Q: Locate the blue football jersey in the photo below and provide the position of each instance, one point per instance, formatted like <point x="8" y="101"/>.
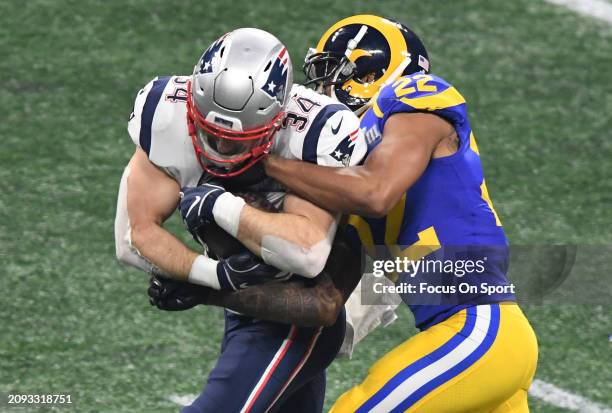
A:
<point x="446" y="215"/>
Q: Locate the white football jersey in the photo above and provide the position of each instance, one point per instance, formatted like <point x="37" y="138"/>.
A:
<point x="317" y="129"/>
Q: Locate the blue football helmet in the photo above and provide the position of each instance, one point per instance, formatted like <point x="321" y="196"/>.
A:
<point x="360" y="54"/>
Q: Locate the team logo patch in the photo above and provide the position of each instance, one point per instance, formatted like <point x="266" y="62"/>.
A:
<point x="372" y="134"/>
<point x="277" y="79"/>
<point x="344" y="150"/>
<point x="211" y="56"/>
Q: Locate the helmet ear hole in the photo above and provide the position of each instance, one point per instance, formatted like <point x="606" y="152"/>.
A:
<point x="265" y="109"/>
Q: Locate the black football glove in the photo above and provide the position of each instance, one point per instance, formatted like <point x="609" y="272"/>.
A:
<point x="171" y="295"/>
<point x="196" y="206"/>
<point x="245" y="269"/>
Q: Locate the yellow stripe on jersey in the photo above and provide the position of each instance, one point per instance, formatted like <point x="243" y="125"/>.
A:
<point x="428" y="242"/>
<point x="485" y="195"/>
<point x="364" y="232"/>
<point x="393" y="225"/>
<point x="445" y="99"/>
<point x="473" y="145"/>
<point x="379" y="114"/>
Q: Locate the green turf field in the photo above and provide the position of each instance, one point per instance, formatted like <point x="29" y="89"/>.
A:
<point x="538" y="81"/>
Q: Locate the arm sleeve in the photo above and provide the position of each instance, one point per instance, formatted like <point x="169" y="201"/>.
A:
<point x="124" y="250"/>
<point x="307" y="262"/>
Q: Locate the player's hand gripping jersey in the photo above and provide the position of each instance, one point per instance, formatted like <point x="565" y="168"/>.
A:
<point x="446" y="215"/>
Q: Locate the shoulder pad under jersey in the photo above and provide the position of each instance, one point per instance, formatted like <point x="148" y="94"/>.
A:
<point x="158" y="125"/>
<point x="319" y="129"/>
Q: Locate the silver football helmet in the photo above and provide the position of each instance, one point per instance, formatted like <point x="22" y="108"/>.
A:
<point x="236" y="100"/>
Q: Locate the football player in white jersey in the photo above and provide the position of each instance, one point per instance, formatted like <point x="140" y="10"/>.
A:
<point x="238" y="105"/>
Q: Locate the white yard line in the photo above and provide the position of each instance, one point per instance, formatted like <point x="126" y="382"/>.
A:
<point x="548" y="393"/>
<point x="598" y="9"/>
<point x="558" y="397"/>
<point x="182" y="400"/>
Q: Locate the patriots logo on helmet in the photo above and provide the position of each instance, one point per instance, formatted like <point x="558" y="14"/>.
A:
<point x="211" y="56"/>
<point x="344" y="150"/>
<point x="277" y="79"/>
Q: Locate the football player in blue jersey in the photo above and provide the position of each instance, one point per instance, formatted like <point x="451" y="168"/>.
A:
<point x="420" y="194"/>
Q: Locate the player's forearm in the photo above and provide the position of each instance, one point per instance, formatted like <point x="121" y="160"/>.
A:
<point x="290" y="302"/>
<point x="164" y="250"/>
<point x="296" y="302"/>
<point x="288" y="241"/>
<point x="348" y="190"/>
<point x="256" y="225"/>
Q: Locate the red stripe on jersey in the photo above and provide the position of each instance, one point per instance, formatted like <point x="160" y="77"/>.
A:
<point x="262" y="383"/>
<point x="297" y="369"/>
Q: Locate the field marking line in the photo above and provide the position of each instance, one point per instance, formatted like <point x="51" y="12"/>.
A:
<point x="546" y="392"/>
<point x="598" y="9"/>
<point x="551" y="394"/>
<point x="182" y="400"/>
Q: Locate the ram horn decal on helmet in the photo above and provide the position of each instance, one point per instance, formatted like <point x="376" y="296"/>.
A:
<point x="358" y="55"/>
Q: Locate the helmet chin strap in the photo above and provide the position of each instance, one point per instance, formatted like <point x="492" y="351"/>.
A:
<point x="398" y="70"/>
